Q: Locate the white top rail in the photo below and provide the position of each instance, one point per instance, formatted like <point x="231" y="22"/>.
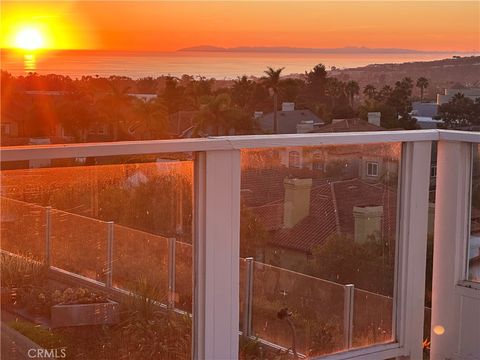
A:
<point x="62" y="151"/>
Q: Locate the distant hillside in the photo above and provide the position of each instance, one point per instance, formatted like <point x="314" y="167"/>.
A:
<point x="286" y="49"/>
<point x="464" y="71"/>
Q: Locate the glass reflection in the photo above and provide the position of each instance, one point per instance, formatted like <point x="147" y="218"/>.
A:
<point x="316" y="219"/>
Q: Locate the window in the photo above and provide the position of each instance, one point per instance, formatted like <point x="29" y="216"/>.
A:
<point x="474" y="241"/>
<point x="372" y="168"/>
<point x="294" y="159"/>
<point x="317" y="163"/>
<point x="433" y="171"/>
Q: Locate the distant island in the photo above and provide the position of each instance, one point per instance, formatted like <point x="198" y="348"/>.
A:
<point x="287" y="49"/>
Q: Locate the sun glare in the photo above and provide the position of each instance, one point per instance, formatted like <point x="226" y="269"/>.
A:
<point x="29" y="39"/>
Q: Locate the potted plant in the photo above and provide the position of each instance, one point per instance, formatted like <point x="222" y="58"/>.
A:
<point x="80" y="306"/>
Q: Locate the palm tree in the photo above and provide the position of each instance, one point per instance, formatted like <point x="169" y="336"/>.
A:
<point x="272" y="81"/>
<point x="212" y="116"/>
<point x="114" y="107"/>
<point x="352" y="88"/>
<point x="335" y="90"/>
<point x="242" y="90"/>
<point x="422" y="83"/>
<point x="151" y="116"/>
<point x="369" y="91"/>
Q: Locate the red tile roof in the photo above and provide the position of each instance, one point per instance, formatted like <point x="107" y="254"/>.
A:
<point x="331" y="210"/>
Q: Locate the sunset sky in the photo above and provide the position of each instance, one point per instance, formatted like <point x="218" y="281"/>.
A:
<point x="170" y="25"/>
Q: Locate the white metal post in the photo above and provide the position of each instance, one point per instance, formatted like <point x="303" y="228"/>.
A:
<point x="216" y="254"/>
<point x="171" y="273"/>
<point x="412" y="247"/>
<point x="348" y="315"/>
<point x="450" y="247"/>
<point x="110" y="235"/>
<point x="248" y="297"/>
<point x="48" y="236"/>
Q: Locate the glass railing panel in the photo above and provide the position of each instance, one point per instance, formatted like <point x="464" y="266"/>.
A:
<point x="474" y="239"/>
<point x="23" y="229"/>
<point x="79" y="244"/>
<point x="317" y="219"/>
<point x="372" y="318"/>
<point x="86" y="248"/>
<point x="133" y="252"/>
<point x="291" y="309"/>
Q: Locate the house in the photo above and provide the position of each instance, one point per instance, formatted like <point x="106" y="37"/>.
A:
<point x="472" y="93"/>
<point x="303" y="213"/>
<point x="429" y="109"/>
<point x="327" y="191"/>
<point x="290" y="121"/>
<point x="347" y="161"/>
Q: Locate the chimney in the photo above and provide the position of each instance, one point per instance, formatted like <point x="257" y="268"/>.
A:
<point x="297" y="201"/>
<point x="368" y="223"/>
<point x="374" y="118"/>
<point x="288" y="106"/>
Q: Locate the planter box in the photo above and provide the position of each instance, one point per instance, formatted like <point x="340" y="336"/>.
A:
<point x="85" y="314"/>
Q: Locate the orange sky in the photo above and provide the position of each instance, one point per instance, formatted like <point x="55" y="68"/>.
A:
<point x="170" y="25"/>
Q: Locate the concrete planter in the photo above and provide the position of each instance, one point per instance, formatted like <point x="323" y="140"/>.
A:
<point x="85" y="314"/>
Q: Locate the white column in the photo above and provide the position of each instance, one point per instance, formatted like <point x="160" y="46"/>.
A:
<point x="217" y="239"/>
<point x="450" y="245"/>
<point x="412" y="247"/>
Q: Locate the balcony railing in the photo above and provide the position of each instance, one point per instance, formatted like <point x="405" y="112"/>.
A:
<point x="234" y="236"/>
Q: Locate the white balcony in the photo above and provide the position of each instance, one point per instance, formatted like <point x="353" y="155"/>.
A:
<point x="282" y="246"/>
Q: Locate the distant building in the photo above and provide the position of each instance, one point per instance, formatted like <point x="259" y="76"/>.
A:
<point x="429" y="109"/>
<point x="425" y="114"/>
<point x="472" y="93"/>
<point x="290" y="121"/>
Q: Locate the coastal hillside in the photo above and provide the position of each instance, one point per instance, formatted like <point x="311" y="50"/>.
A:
<point x="453" y="72"/>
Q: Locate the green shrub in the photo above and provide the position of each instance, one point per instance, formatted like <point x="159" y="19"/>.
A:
<point x="45" y="338"/>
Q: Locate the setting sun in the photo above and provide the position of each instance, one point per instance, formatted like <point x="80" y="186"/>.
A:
<point x="29" y="39"/>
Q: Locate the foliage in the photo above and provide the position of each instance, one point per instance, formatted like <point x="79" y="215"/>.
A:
<point x="253" y="234"/>
<point x="71" y="296"/>
<point x="272" y="81"/>
<point x="460" y="112"/>
<point x="250" y="349"/>
<point x="148" y="331"/>
<point x="394" y="104"/>
<point x="324" y="336"/>
<point x="218" y="117"/>
<point x="91" y="102"/>
<point x="367" y="265"/>
<point x="46" y="338"/>
<point x="21" y="271"/>
<point x="422" y="83"/>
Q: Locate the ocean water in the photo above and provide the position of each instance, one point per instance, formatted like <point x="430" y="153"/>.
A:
<point x="210" y="64"/>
